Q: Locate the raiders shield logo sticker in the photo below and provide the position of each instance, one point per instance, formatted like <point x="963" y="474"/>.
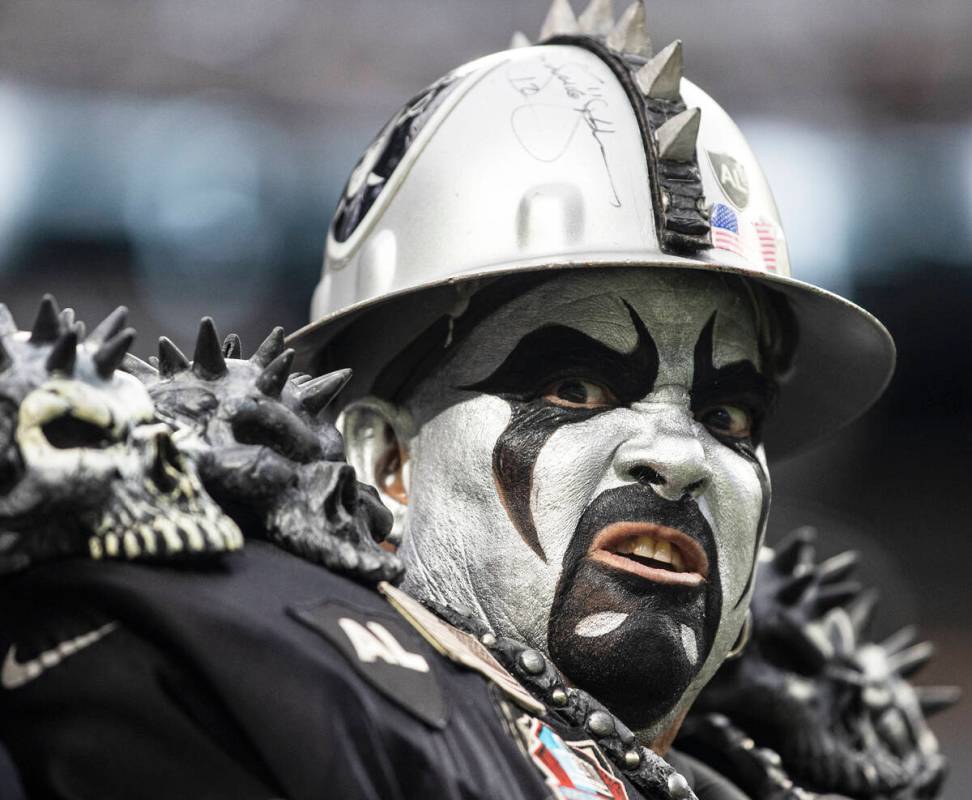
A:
<point x="732" y="178"/>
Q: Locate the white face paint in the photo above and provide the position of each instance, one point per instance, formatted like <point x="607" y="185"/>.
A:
<point x="502" y="475"/>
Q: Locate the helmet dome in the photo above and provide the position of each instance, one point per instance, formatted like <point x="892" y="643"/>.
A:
<point x="586" y="150"/>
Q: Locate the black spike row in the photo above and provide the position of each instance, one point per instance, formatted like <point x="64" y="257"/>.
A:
<point x="273" y="378"/>
<point x="64" y="354"/>
<point x="270" y="348"/>
<point x="207" y="360"/>
<point x="47" y="324"/>
<point x="316" y="395"/>
<point x="171" y="359"/>
<point x="232" y="346"/>
<point x="110" y="355"/>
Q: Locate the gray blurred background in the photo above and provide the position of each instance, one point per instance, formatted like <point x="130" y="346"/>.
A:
<point x="183" y="157"/>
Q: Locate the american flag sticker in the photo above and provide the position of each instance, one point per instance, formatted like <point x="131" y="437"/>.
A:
<point x="766" y="236"/>
<point x="725" y="229"/>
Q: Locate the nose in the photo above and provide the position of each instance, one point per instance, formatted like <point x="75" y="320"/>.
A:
<point x="666" y="455"/>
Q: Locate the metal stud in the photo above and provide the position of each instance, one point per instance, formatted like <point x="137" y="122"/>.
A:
<point x="630" y="35"/>
<point x="560" y="21"/>
<point x="661" y="77"/>
<point x="558" y="698"/>
<point x="678" y="787"/>
<point x="488" y="639"/>
<point x="600" y="723"/>
<point x="632" y="759"/>
<point x="532" y="662"/>
<point x="518" y="40"/>
<point x="598" y="18"/>
<point x="678" y="136"/>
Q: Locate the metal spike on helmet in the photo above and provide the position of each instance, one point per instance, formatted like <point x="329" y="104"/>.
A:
<point x="630" y="34"/>
<point x="8" y="325"/>
<point x="110" y="326"/>
<point x="677" y="137"/>
<point x="598" y="18"/>
<point x="207" y="358"/>
<point x="519" y="39"/>
<point x="47" y="324"/>
<point x="232" y="346"/>
<point x="935" y="699"/>
<point x="317" y="394"/>
<point x="112" y="352"/>
<point x="171" y="359"/>
<point x="64" y="354"/>
<point x="661" y="77"/>
<point x="560" y="21"/>
<point x="270" y="348"/>
<point x="900" y="639"/>
<point x="274" y="376"/>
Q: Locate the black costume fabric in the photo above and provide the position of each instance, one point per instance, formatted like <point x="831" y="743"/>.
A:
<point x="227" y="682"/>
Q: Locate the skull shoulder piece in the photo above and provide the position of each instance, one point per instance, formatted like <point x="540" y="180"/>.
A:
<point x="838" y="710"/>
<point x="265" y="452"/>
<point x="86" y="468"/>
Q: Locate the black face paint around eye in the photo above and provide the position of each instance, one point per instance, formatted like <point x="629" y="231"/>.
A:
<point x="738" y="381"/>
<point x="542" y="356"/>
<point x="650" y="667"/>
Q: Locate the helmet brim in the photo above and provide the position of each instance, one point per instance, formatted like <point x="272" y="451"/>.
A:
<point x="842" y="363"/>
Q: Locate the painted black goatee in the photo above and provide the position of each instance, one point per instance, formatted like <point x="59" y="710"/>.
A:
<point x="548" y="354"/>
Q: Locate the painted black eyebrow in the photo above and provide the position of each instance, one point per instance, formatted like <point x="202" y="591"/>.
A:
<point x="740" y="380"/>
<point x="558" y="351"/>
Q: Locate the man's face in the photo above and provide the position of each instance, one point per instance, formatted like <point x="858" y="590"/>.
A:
<point x="587" y="475"/>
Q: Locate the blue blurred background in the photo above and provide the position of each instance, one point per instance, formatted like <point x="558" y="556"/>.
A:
<point x="183" y="157"/>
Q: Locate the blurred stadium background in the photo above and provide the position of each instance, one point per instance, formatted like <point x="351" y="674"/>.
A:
<point x="183" y="157"/>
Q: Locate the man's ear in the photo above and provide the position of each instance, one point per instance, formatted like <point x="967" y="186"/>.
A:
<point x="376" y="436"/>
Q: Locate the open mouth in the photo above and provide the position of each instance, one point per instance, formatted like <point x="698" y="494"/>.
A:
<point x="654" y="552"/>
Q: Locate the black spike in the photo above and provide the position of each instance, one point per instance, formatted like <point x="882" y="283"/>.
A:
<point x="207" y="360"/>
<point x="317" y="394"/>
<point x="47" y="324"/>
<point x="110" y="326"/>
<point x="934" y="699"/>
<point x="837" y="567"/>
<point x="232" y="346"/>
<point x="8" y="325"/>
<point x="270" y="348"/>
<point x="795" y="549"/>
<point x="861" y="610"/>
<point x="899" y="640"/>
<point x="171" y="358"/>
<point x="837" y="594"/>
<point x="793" y="590"/>
<point x="273" y="378"/>
<point x="64" y="354"/>
<point x="909" y="661"/>
<point x="110" y="355"/>
<point x="133" y="365"/>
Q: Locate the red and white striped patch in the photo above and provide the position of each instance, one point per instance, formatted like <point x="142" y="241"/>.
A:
<point x="766" y="236"/>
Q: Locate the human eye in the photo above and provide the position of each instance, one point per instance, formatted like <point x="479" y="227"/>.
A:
<point x="579" y="393"/>
<point x="727" y="420"/>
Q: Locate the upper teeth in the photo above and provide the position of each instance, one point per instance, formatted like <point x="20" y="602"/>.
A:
<point x="657" y="549"/>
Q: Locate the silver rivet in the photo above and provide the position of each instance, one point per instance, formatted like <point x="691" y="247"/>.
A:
<point x="771" y="757"/>
<point x="558" y="697"/>
<point x="532" y="662"/>
<point x="678" y="787"/>
<point x="747" y="744"/>
<point x="488" y="639"/>
<point x="600" y="723"/>
<point x="632" y="759"/>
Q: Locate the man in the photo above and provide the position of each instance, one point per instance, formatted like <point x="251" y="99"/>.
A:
<point x="561" y="281"/>
<point x="562" y="284"/>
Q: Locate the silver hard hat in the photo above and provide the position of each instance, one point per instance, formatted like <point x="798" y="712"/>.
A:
<point x="584" y="151"/>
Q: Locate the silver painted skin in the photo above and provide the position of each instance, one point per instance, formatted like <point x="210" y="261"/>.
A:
<point x="458" y="542"/>
<point x="508" y="175"/>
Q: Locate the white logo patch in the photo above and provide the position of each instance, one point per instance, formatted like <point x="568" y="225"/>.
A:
<point x="17" y="673"/>
<point x="376" y="642"/>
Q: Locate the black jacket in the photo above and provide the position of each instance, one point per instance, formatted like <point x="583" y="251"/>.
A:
<point x="243" y="680"/>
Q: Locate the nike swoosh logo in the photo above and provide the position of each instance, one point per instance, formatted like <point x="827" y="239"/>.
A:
<point x="17" y="673"/>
